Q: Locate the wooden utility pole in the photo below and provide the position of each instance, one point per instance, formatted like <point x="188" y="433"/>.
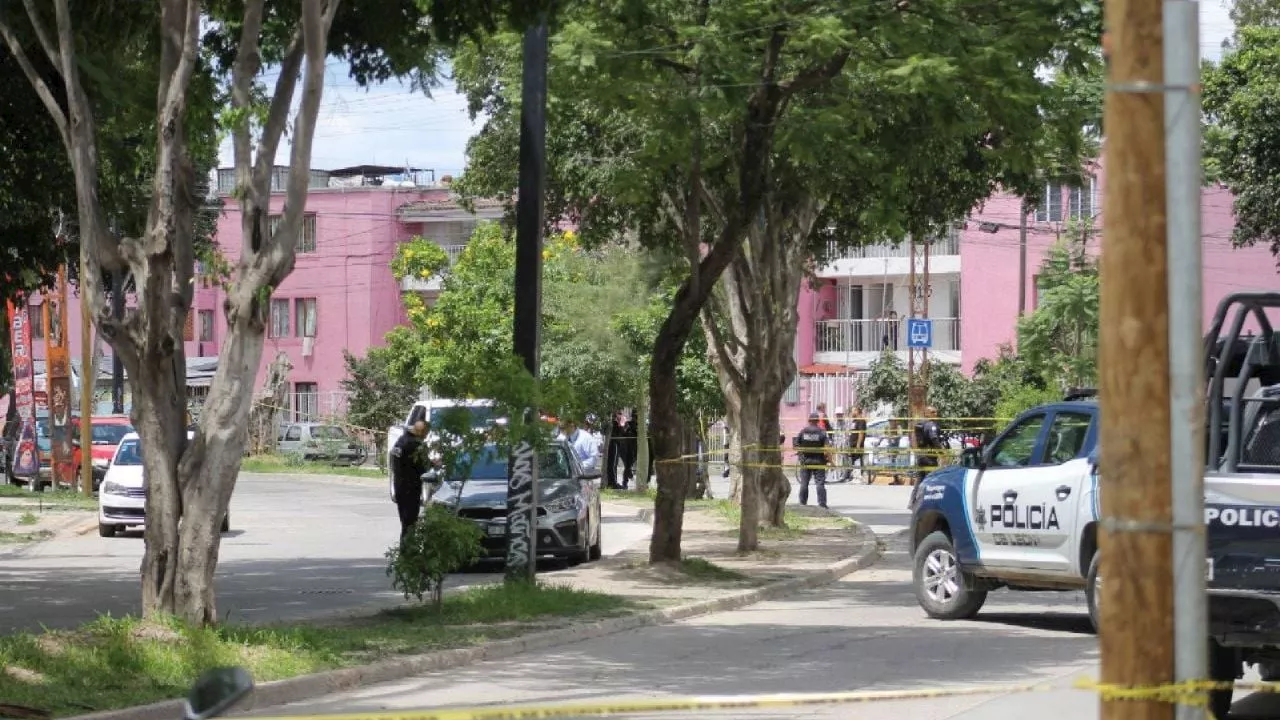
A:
<point x="87" y="381"/>
<point x="1136" y="599"/>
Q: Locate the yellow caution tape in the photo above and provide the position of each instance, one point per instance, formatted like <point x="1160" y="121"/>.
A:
<point x="669" y="705"/>
<point x="1193" y="693"/>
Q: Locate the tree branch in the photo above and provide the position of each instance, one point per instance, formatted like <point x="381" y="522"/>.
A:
<point x="278" y="115"/>
<point x="42" y="33"/>
<point x="37" y="83"/>
<point x="273" y="265"/>
<point x="246" y="66"/>
<point x="815" y="75"/>
<point x="719" y="355"/>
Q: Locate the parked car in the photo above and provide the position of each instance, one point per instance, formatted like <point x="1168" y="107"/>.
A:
<point x="107" y="433"/>
<point x="122" y="500"/>
<point x="319" y="441"/>
<point x="569" y="524"/>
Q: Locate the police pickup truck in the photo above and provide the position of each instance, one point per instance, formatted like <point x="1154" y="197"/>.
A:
<point x="1020" y="513"/>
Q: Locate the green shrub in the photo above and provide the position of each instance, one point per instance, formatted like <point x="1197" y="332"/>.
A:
<point x="440" y="543"/>
<point x="294" y="459"/>
<point x="1017" y="399"/>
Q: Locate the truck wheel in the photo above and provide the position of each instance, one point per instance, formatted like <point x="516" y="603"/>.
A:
<point x="1225" y="665"/>
<point x="939" y="581"/>
<point x="1091" y="592"/>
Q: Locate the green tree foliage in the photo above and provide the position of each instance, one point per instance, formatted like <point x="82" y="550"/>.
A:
<point x="439" y="544"/>
<point x="1059" y="339"/>
<point x="591" y="297"/>
<point x="1254" y="13"/>
<point x="377" y="396"/>
<point x="697" y="125"/>
<point x="1241" y="97"/>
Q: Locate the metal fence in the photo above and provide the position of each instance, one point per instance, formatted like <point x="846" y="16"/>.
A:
<point x="946" y="245"/>
<point x="875" y="335"/>
<point x="317" y="406"/>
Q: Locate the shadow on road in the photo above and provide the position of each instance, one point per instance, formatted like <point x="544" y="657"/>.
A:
<point x="63" y="593"/>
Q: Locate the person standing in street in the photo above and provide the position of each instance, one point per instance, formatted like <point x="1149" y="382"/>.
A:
<point x="584" y="444"/>
<point x="813" y="445"/>
<point x="840" y="442"/>
<point x="629" y="447"/>
<point x="407" y="467"/>
<point x="858" y="442"/>
<point x="823" y="422"/>
<point x="929" y="443"/>
<point x="613" y="456"/>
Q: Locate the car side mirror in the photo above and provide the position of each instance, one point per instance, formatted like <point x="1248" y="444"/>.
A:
<point x="591" y="475"/>
<point x="973" y="458"/>
<point x="216" y="692"/>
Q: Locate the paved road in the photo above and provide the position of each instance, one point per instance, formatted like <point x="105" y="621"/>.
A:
<point x="862" y="633"/>
<point x="300" y="546"/>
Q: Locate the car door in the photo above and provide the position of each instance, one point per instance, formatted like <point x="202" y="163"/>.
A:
<point x="1009" y="471"/>
<point x="292" y="442"/>
<point x="1058" y="484"/>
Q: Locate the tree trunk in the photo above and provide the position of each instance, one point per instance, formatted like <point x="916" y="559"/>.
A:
<point x="774" y="486"/>
<point x="264" y="417"/>
<point x="641" y="468"/>
<point x="751" y="442"/>
<point x="212" y="464"/>
<point x="159" y="410"/>
<point x="695" y="479"/>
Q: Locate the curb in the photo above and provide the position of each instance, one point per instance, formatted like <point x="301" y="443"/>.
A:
<point x="281" y="692"/>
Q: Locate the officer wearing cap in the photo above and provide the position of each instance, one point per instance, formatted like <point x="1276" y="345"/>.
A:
<point x="813" y="444"/>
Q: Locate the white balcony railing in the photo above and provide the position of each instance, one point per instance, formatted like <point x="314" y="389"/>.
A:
<point x="413" y="284"/>
<point x="848" y="336"/>
<point x="948" y="245"/>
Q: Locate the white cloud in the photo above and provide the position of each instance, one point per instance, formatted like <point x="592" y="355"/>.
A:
<point x="389" y="125"/>
<point x="386" y="125"/>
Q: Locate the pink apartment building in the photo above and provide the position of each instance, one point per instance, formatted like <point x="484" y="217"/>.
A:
<point x="862" y="299"/>
<point x="341" y="294"/>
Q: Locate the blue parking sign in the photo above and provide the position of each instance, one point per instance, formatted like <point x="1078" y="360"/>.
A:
<point x="919" y="333"/>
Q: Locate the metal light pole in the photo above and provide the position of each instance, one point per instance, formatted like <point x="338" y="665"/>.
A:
<point x="1186" y="363"/>
<point x="522" y="489"/>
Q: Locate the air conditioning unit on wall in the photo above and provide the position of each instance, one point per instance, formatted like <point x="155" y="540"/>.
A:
<point x="308" y="346"/>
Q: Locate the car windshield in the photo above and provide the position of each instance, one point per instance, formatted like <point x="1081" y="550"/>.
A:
<point x="328" y="432"/>
<point x="109" y="434"/>
<point x="553" y="463"/>
<point x="128" y="454"/>
<point x="479" y="416"/>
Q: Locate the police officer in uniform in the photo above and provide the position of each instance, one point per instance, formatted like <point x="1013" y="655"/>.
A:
<point x="407" y="467"/>
<point x="813" y="445"/>
<point x="929" y="443"/>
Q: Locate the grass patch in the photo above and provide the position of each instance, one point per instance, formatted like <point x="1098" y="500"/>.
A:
<point x="8" y="538"/>
<point x="287" y="465"/>
<point x="704" y="570"/>
<point x="116" y="663"/>
<point x="28" y="519"/>
<point x="49" y="498"/>
<point x="646" y="498"/>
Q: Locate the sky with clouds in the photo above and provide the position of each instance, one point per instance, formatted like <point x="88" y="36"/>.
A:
<point x="390" y="125"/>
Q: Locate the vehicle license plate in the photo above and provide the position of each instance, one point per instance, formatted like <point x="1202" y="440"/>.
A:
<point x="497" y="529"/>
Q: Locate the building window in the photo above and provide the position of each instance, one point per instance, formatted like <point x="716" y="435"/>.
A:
<point x="306" y="402"/>
<point x="1082" y="202"/>
<point x="1050" y="206"/>
<point x="37" y="321"/>
<point x="279" y="319"/>
<point x="306" y="236"/>
<point x="305" y="322"/>
<point x="206" y="325"/>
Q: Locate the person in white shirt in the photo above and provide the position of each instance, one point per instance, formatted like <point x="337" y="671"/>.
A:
<point x="584" y="444"/>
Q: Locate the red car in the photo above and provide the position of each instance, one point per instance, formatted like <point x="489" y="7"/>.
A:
<point x="107" y="431"/>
